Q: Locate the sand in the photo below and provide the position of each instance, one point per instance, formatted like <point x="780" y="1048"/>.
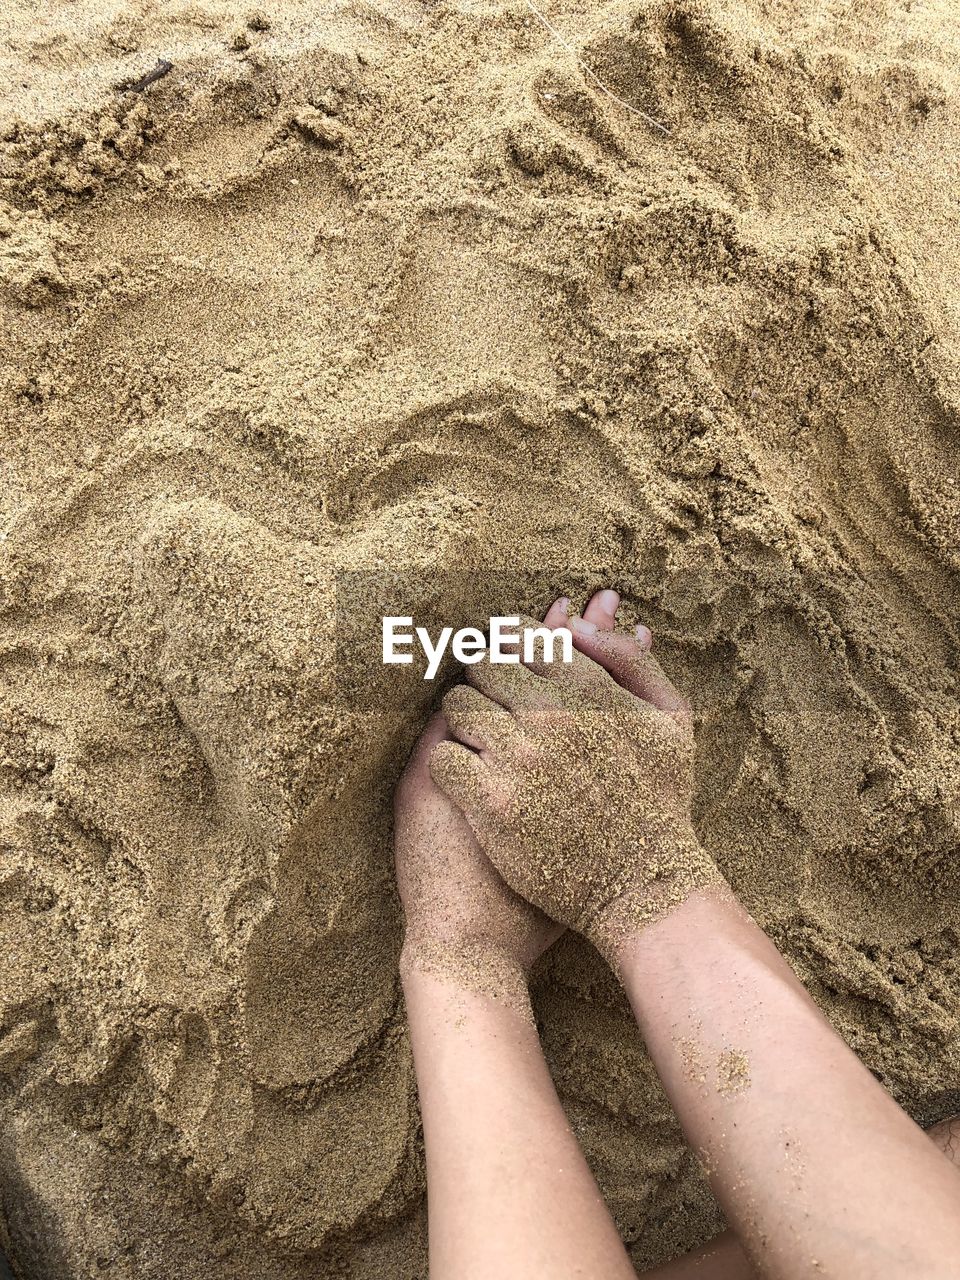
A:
<point x="361" y="303"/>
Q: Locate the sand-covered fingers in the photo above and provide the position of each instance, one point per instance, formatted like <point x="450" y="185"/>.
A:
<point x="511" y="685"/>
<point x="576" y="778"/>
<point x="462" y="920"/>
<point x="588" y="656"/>
<point x="635" y="669"/>
<point x="627" y="658"/>
<point x="478" y="721"/>
<point x="552" y="670"/>
<point x="481" y="792"/>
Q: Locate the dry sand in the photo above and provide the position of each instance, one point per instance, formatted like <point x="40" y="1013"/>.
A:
<point x="397" y="286"/>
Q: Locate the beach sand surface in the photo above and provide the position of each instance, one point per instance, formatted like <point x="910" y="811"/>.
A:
<point x="446" y="309"/>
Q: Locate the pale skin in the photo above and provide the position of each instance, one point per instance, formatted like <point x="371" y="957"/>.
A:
<point x="818" y="1170"/>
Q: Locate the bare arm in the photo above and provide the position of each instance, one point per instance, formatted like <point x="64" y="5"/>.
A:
<point x="723" y="1258"/>
<point x="577" y="781"/>
<point x="510" y="1194"/>
<point x="817" y="1168"/>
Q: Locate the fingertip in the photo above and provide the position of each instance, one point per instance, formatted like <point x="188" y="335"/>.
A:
<point x="449" y="763"/>
<point x="602" y="609"/>
<point x="452" y="700"/>
<point x="644" y="637"/>
<point x="558" y="614"/>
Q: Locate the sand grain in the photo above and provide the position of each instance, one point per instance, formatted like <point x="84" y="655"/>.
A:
<point x="394" y="287"/>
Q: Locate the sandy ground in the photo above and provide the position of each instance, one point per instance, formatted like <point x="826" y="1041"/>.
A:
<point x="358" y="304"/>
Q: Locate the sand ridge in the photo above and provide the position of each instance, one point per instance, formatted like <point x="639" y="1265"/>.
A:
<point x="394" y="288"/>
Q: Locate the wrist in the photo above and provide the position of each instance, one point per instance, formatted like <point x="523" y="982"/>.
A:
<point x="468" y="965"/>
<point x="675" y="878"/>
<point x="642" y="930"/>
<point x="707" y="924"/>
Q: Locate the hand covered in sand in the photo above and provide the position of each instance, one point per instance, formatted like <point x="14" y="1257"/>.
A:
<point x="461" y="918"/>
<point x="576" y="778"/>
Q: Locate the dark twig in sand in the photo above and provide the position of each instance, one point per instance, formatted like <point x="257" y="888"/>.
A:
<point x="162" y="68"/>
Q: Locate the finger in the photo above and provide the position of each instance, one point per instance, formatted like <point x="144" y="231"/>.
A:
<point x="543" y="650"/>
<point x="511" y="685"/>
<point x="415" y="781"/>
<point x="434" y="731"/>
<point x="601" y="615"/>
<point x="602" y="610"/>
<point x="558" y="614"/>
<point x="633" y="667"/>
<point x="551" y="671"/>
<point x="476" y="720"/>
<point x="467" y="780"/>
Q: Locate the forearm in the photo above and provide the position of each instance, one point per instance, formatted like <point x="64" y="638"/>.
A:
<point x="817" y="1168"/>
<point x="723" y="1257"/>
<point x="509" y="1193"/>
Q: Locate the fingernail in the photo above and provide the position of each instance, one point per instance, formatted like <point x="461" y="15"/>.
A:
<point x="583" y="628"/>
<point x="644" y="636"/>
<point x="609" y="601"/>
<point x="564" y="604"/>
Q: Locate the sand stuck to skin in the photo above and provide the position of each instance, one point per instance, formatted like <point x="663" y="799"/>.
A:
<point x="371" y="298"/>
